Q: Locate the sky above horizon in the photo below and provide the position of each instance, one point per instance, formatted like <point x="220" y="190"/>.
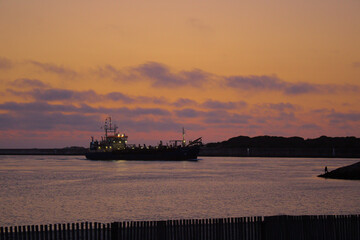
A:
<point x="218" y="68"/>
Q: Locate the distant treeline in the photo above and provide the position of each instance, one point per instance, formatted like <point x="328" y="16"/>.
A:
<point x="271" y="141"/>
<point x="271" y="146"/>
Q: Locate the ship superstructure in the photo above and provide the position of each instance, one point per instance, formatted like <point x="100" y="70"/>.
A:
<point x="113" y="140"/>
<point x="113" y="146"/>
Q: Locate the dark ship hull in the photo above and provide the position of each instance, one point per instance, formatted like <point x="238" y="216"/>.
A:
<point x="188" y="153"/>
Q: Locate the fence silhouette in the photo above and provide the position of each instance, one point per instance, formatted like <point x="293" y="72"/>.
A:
<point x="327" y="227"/>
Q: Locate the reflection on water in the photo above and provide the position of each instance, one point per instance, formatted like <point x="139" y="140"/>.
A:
<point x="58" y="189"/>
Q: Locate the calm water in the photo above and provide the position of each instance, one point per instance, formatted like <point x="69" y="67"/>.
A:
<point x="58" y="189"/>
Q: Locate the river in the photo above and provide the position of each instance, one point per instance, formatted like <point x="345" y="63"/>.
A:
<point x="61" y="189"/>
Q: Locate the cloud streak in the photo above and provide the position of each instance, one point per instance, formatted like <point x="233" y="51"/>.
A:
<point x="56" y="94"/>
<point x="28" y="83"/>
<point x="214" y="116"/>
<point x="5" y="63"/>
<point x="109" y="71"/>
<point x="273" y="83"/>
<point x="39" y="107"/>
<point x="224" y="117"/>
<point x="182" y="102"/>
<point x="47" y="121"/>
<point x="356" y="64"/>
<point x="278" y="106"/>
<point x="40" y="92"/>
<point x="338" y="117"/>
<point x="213" y="104"/>
<point x="43" y="116"/>
<point x="161" y="76"/>
<point x="55" y="69"/>
<point x="189" y="113"/>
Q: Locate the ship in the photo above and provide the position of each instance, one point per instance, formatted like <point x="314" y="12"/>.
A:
<point x="114" y="146"/>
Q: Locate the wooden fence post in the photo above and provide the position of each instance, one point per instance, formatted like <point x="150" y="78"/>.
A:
<point x="141" y="232"/>
<point x="41" y="232"/>
<point x="73" y="231"/>
<point x="15" y="235"/>
<point x="37" y="235"/>
<point x="18" y="233"/>
<point x="103" y="231"/>
<point x="46" y="232"/>
<point x="161" y="230"/>
<point x="86" y="232"/>
<point x="95" y="230"/>
<point x="28" y="232"/>
<point x="6" y="233"/>
<point x="23" y="233"/>
<point x="51" y="232"/>
<point x="90" y="231"/>
<point x="108" y="234"/>
<point x="55" y="231"/>
<point x="2" y="233"/>
<point x="114" y="231"/>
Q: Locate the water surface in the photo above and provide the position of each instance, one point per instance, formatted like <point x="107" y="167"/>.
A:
<point x="60" y="189"/>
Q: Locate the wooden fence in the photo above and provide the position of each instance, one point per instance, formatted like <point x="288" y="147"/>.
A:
<point x="248" y="228"/>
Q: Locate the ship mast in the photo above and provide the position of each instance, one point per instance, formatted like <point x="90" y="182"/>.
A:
<point x="106" y="125"/>
<point x="183" y="137"/>
<point x="109" y="127"/>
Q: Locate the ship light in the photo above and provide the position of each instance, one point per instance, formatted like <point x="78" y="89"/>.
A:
<point x="122" y="135"/>
<point x="119" y="135"/>
<point x="125" y="141"/>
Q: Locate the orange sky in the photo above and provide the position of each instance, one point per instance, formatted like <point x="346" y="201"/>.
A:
<point x="218" y="68"/>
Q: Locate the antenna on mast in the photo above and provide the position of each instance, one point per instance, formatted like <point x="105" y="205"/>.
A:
<point x="107" y="125"/>
<point x="110" y="123"/>
<point x="183" y="137"/>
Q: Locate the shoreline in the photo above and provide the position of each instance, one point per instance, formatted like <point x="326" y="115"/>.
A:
<point x="243" y="146"/>
<point x="212" y="152"/>
<point x="44" y="151"/>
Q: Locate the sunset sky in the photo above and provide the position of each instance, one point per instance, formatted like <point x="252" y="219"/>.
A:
<point x="218" y="68"/>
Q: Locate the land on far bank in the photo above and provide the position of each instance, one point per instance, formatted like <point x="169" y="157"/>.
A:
<point x="351" y="172"/>
<point x="271" y="146"/>
<point x="243" y="146"/>
<point x="44" y="151"/>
